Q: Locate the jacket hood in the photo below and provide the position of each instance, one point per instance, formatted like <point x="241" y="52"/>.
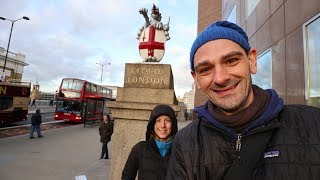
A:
<point x="158" y="111"/>
<point x="274" y="108"/>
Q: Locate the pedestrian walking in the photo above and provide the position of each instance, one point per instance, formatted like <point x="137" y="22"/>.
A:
<point x="242" y="132"/>
<point x="150" y="158"/>
<point x="35" y="124"/>
<point x="33" y="103"/>
<point x="51" y="102"/>
<point x="105" y="131"/>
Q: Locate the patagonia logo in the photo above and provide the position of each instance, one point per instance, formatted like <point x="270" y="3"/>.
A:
<point x="271" y="154"/>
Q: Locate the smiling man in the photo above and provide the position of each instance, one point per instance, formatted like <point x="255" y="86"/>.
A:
<point x="242" y="131"/>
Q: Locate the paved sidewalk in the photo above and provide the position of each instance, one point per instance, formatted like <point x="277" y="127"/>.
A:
<point x="62" y="154"/>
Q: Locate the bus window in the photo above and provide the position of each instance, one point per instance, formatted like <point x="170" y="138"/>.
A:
<point x="77" y="85"/>
<point x="88" y="87"/>
<point x="93" y="88"/>
<point x="6" y="102"/>
<point x="73" y="106"/>
<point x="67" y="106"/>
<point x="99" y="89"/>
<point x="65" y="84"/>
<point x="59" y="106"/>
<point x="72" y="84"/>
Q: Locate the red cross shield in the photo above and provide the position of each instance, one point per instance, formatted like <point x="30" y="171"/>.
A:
<point x="151" y="46"/>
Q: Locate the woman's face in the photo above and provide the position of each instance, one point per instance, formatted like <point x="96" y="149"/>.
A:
<point x="163" y="127"/>
<point x="105" y="118"/>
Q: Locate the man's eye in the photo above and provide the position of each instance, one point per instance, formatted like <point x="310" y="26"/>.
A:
<point x="203" y="70"/>
<point x="229" y="61"/>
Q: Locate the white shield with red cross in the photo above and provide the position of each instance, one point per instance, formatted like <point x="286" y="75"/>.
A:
<point x="151" y="46"/>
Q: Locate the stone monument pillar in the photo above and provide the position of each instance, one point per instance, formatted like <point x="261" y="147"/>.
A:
<point x="35" y="94"/>
<point x="145" y="86"/>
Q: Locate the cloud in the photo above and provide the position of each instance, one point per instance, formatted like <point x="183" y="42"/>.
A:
<point x="67" y="38"/>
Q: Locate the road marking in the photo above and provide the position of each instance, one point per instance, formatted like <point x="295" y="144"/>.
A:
<point x="51" y="122"/>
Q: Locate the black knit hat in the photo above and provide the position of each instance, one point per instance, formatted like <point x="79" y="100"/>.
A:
<point x="159" y="111"/>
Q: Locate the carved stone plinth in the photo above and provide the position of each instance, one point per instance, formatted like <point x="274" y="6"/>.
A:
<point x="145" y="86"/>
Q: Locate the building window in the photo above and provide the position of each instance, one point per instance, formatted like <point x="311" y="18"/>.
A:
<point x="251" y="4"/>
<point x="311" y="31"/>
<point x="263" y="77"/>
<point x="233" y="15"/>
<point x="224" y="4"/>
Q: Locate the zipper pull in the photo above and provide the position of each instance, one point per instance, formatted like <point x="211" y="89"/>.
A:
<point x="238" y="148"/>
<point x="238" y="143"/>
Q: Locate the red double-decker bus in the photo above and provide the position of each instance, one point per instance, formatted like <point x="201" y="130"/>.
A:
<point x="81" y="101"/>
<point x="14" y="101"/>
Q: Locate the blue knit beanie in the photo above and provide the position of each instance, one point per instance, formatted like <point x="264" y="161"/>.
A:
<point x="220" y="30"/>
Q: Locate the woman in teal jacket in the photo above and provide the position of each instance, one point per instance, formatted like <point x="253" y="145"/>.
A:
<point x="150" y="158"/>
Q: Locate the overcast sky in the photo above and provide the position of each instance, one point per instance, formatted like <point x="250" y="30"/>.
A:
<point x="65" y="38"/>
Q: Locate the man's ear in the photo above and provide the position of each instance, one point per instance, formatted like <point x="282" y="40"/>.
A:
<point x="252" y="56"/>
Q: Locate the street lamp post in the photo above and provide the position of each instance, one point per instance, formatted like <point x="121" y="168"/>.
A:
<point x="12" y="22"/>
<point x="102" y="70"/>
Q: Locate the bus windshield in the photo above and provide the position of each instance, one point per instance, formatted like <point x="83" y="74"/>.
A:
<point x="72" y="84"/>
<point x="68" y="106"/>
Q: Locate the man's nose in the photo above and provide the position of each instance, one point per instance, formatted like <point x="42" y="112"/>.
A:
<point x="221" y="74"/>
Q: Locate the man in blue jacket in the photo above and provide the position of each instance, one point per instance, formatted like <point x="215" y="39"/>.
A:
<point x="35" y="124"/>
<point x="243" y="131"/>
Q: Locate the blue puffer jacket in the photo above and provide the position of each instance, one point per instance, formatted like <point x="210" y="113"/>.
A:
<point x="282" y="143"/>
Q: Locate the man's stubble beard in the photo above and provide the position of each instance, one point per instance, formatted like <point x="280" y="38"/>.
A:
<point x="239" y="102"/>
